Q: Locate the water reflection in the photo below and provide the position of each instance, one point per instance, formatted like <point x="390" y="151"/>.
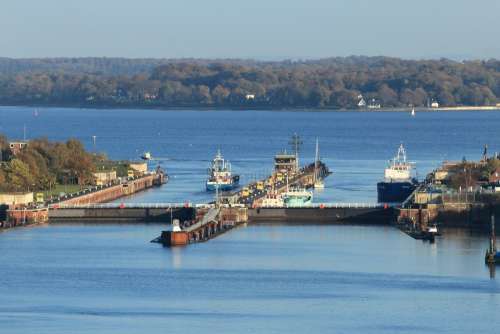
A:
<point x="176" y="257"/>
<point x="492" y="267"/>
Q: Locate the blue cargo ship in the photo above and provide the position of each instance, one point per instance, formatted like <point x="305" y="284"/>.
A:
<point x="220" y="176"/>
<point x="398" y="183"/>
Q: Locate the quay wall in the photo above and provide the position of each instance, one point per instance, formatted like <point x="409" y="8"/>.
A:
<point x="462" y="215"/>
<point x="24" y="217"/>
<point x="114" y="192"/>
<point x="120" y="214"/>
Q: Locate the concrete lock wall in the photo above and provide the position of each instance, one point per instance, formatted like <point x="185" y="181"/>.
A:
<point x="326" y="215"/>
<point x="162" y="215"/>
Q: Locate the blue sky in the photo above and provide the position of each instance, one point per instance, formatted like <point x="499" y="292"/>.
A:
<point x="262" y="29"/>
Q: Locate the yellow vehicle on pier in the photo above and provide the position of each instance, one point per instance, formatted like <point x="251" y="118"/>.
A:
<point x="245" y="192"/>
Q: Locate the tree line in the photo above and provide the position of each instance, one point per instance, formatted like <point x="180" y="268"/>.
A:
<point x="335" y="83"/>
<point x="43" y="164"/>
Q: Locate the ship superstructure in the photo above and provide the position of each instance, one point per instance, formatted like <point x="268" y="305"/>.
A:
<point x="220" y="176"/>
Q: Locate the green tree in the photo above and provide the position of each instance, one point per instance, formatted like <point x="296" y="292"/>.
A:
<point x="18" y="176"/>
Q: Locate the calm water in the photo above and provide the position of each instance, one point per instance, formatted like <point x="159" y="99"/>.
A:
<point x="356" y="146"/>
<point x="263" y="278"/>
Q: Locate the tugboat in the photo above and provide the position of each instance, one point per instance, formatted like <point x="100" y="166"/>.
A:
<point x="398" y="181"/>
<point x="219" y="175"/>
<point x="297" y="197"/>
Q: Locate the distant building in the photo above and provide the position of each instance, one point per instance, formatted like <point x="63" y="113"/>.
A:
<point x="101" y="178"/>
<point x="494" y="177"/>
<point x="140" y="167"/>
<point x="17" y="146"/>
<point x="15" y="199"/>
<point x="148" y="96"/>
<point x="441" y="175"/>
<point x="374" y="104"/>
<point x="362" y="102"/>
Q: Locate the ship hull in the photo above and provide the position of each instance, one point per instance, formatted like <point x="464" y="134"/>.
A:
<point x="394" y="192"/>
<point x="212" y="186"/>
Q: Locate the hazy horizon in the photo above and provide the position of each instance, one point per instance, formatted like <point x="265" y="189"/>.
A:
<point x="260" y="30"/>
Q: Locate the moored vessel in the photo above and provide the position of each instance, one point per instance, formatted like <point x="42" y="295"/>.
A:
<point x="220" y="177"/>
<point x="399" y="182"/>
<point x="297" y="197"/>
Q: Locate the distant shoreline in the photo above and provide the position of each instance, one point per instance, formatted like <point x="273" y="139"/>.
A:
<point x="249" y="108"/>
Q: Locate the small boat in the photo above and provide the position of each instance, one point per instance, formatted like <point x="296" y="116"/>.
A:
<point x="413" y="111"/>
<point x="433" y="229"/>
<point x="146" y="156"/>
<point x="421" y="235"/>
<point x="297" y="197"/>
<point x="220" y="177"/>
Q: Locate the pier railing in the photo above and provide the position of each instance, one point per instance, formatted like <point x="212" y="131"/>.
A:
<point x="208" y="206"/>
<point x="129" y="206"/>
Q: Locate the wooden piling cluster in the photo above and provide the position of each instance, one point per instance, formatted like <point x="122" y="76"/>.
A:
<point x="208" y="224"/>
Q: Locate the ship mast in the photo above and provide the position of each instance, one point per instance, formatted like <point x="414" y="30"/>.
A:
<point x="316" y="161"/>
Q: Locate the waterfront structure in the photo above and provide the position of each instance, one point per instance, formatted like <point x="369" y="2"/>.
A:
<point x="15" y="199"/>
<point x="17" y="146"/>
<point x="105" y="177"/>
<point x="285" y="163"/>
<point x="140" y="167"/>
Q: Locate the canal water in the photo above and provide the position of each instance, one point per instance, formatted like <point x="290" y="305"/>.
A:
<point x="255" y="279"/>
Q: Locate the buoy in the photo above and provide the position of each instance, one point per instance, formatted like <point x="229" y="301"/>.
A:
<point x="321" y="206"/>
<point x="386" y="206"/>
<point x="122" y="206"/>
